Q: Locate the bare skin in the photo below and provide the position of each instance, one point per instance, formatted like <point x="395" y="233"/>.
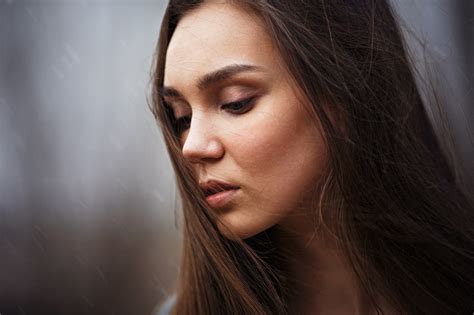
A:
<point x="272" y="151"/>
<point x="322" y="280"/>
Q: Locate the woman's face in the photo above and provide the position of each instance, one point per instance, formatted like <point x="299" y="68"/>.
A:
<point x="248" y="124"/>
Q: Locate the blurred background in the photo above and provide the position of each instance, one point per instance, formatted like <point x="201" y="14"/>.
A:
<point x="87" y="195"/>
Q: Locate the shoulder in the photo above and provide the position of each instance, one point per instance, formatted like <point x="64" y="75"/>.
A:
<point x="167" y="306"/>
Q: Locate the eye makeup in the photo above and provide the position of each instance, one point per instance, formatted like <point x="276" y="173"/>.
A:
<point x="235" y="93"/>
<point x="231" y="99"/>
<point x="181" y="124"/>
<point x="239" y="107"/>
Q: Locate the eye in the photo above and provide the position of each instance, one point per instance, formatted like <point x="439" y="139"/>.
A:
<point x="181" y="124"/>
<point x="239" y="107"/>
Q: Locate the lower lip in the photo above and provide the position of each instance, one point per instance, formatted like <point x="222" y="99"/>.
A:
<point x="221" y="198"/>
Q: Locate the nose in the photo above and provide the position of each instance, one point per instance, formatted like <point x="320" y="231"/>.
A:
<point x="202" y="142"/>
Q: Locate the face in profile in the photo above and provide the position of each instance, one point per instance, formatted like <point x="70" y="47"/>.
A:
<point x="241" y="121"/>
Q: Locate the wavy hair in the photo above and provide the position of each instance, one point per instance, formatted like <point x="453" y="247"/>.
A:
<point x="405" y="223"/>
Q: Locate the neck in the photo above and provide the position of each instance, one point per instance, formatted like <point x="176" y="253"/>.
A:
<point x="320" y="280"/>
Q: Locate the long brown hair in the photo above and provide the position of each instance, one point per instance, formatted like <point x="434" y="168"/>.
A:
<point x="405" y="224"/>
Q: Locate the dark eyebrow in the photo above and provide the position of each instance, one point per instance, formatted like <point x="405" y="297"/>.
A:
<point x="169" y="91"/>
<point x="214" y="77"/>
<point x="225" y="73"/>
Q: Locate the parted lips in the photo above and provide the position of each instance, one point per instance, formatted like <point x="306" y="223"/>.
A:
<point x="212" y="187"/>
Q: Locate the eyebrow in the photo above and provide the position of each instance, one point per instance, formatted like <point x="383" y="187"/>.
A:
<point x="214" y="77"/>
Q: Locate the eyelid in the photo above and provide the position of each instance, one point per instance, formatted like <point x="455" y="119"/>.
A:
<point x="177" y="106"/>
<point x="178" y="124"/>
<point x="247" y="104"/>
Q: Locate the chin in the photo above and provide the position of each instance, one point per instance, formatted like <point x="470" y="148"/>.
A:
<point x="235" y="233"/>
<point x="239" y="228"/>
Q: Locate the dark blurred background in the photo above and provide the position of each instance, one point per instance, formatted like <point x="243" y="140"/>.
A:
<point x="87" y="197"/>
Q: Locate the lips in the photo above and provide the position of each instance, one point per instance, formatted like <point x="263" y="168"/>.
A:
<point x="219" y="194"/>
<point x="212" y="187"/>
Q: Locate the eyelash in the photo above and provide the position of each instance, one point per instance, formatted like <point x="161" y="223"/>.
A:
<point x="245" y="105"/>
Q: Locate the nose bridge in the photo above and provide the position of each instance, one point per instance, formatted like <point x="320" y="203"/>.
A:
<point x="202" y="139"/>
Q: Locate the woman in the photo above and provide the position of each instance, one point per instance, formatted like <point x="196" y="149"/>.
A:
<point x="311" y="179"/>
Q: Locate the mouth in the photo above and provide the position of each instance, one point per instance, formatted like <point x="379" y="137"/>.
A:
<point x="218" y="193"/>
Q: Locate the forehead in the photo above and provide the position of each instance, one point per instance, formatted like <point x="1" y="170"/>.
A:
<point x="212" y="36"/>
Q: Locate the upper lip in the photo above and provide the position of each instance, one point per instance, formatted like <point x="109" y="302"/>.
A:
<point x="214" y="186"/>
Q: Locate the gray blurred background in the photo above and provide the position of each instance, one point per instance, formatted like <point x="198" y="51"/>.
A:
<point x="87" y="222"/>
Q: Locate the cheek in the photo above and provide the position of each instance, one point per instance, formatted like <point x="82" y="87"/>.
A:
<point x="280" y="157"/>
